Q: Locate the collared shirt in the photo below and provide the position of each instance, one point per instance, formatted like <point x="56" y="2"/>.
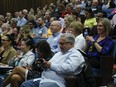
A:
<point x="27" y="59"/>
<point x="21" y="22"/>
<point x="54" y="42"/>
<point x="63" y="65"/>
<point x="39" y="31"/>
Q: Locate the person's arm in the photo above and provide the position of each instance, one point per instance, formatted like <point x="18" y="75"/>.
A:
<point x="98" y="47"/>
<point x="69" y="66"/>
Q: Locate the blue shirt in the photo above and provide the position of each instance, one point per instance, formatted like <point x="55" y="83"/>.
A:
<point x="106" y="45"/>
<point x="40" y="30"/>
<point x="54" y="42"/>
<point x="21" y="22"/>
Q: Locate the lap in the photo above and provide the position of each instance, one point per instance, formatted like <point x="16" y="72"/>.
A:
<point x="30" y="83"/>
<point x="48" y="84"/>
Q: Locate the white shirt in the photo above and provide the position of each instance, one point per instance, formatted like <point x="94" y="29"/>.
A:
<point x="80" y="42"/>
<point x="63" y="65"/>
<point x="27" y="59"/>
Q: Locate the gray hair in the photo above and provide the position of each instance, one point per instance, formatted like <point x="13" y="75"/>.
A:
<point x="68" y="37"/>
<point x="6" y="25"/>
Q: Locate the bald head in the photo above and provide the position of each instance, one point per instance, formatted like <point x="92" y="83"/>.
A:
<point x="55" y="26"/>
<point x="79" y="8"/>
<point x="95" y="2"/>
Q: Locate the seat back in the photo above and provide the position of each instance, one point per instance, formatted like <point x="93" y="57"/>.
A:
<point x="106" y="69"/>
<point x="114" y="50"/>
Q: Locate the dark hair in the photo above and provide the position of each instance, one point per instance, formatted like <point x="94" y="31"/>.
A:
<point x="90" y="11"/>
<point x="29" y="42"/>
<point x="10" y="38"/>
<point x="33" y="22"/>
<point x="44" y="47"/>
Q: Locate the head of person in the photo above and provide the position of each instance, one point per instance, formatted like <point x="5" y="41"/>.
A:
<point x="21" y="15"/>
<point x="8" y="15"/>
<point x="47" y="15"/>
<point x="76" y="28"/>
<point x="27" y="44"/>
<point x="79" y="8"/>
<point x="13" y="22"/>
<point x="30" y="17"/>
<point x="24" y="30"/>
<point x="16" y="14"/>
<point x="1" y="20"/>
<point x="95" y="3"/>
<point x="25" y="11"/>
<point x="89" y="13"/>
<point x="43" y="49"/>
<point x="66" y="42"/>
<point x="68" y="19"/>
<point x="101" y="15"/>
<point x="7" y="40"/>
<point x="32" y="24"/>
<point x="55" y="26"/>
<point x="104" y="26"/>
<point x="40" y="21"/>
<point x="52" y="19"/>
<point x="5" y="27"/>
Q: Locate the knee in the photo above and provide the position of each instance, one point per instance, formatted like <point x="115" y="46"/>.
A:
<point x="15" y="77"/>
<point x="18" y="68"/>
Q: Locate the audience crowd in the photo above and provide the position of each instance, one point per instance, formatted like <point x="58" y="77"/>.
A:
<point x="49" y="37"/>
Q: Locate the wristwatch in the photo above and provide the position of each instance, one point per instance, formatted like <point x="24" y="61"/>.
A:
<point x="94" y="42"/>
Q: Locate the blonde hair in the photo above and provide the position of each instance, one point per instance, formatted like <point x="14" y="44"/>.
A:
<point x="77" y="26"/>
<point x="107" y="24"/>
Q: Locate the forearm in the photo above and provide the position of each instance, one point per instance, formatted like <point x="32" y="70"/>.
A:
<point x="97" y="46"/>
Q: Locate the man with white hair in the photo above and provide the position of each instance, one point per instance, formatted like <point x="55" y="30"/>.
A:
<point x="53" y="40"/>
<point x="68" y="61"/>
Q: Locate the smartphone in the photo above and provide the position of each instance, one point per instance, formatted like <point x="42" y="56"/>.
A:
<point x="86" y="32"/>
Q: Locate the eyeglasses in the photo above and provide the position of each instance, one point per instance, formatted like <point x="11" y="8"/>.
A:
<point x="61" y="43"/>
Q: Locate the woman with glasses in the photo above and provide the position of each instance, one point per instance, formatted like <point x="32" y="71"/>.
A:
<point x="20" y="74"/>
<point x="7" y="52"/>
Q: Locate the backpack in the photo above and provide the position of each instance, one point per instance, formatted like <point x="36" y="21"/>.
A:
<point x="85" y="78"/>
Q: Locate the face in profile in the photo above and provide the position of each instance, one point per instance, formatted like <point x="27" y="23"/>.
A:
<point x="64" y="45"/>
<point x="24" y="47"/>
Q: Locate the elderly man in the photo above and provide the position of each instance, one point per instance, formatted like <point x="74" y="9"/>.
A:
<point x="53" y="40"/>
<point x="64" y="63"/>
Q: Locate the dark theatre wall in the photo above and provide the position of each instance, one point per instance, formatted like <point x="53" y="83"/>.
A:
<point x="16" y="5"/>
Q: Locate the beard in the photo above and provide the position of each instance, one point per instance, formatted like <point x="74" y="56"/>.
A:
<point x="63" y="50"/>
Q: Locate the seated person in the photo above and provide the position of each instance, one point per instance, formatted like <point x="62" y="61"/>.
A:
<point x="26" y="56"/>
<point x="68" y="61"/>
<point x="19" y="73"/>
<point x="76" y="29"/>
<point x="53" y="40"/>
<point x="99" y="45"/>
<point x="7" y="52"/>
